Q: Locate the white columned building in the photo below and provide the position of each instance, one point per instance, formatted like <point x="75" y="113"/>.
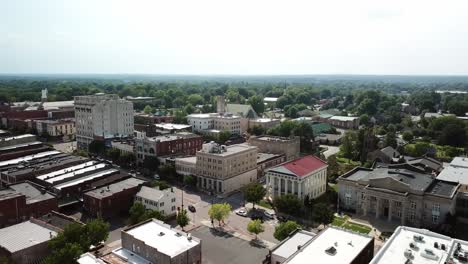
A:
<point x="306" y="176"/>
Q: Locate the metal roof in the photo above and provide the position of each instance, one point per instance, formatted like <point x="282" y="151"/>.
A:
<point x="24" y="235"/>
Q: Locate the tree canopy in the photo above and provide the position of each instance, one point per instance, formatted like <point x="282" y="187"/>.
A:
<point x="283" y="230"/>
<point x="255" y="227"/>
<point x="254" y="192"/>
<point x="219" y="212"/>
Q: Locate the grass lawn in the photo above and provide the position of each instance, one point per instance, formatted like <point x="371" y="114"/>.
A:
<point x="265" y="204"/>
<point x="357" y="228"/>
<point x="347" y="161"/>
<point x="338" y="221"/>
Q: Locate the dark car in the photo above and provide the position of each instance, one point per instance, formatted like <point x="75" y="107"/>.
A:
<point x="192" y="208"/>
<point x="257" y="216"/>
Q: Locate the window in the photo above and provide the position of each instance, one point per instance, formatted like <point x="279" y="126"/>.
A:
<point x="436" y="207"/>
<point x="435" y="219"/>
<point x="413" y="205"/>
<point x="161" y="204"/>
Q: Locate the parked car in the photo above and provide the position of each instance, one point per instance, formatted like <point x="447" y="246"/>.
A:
<point x="156" y="177"/>
<point x="192" y="208"/>
<point x="270" y="215"/>
<point x="257" y="217"/>
<point x="241" y="212"/>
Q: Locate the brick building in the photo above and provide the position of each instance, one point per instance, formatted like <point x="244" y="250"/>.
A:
<point x="277" y="145"/>
<point x="23" y="200"/>
<point x="148" y="119"/>
<point x="112" y="199"/>
<point x="183" y="143"/>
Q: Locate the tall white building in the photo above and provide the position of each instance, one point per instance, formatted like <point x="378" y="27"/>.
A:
<point x="213" y="121"/>
<point x="102" y="116"/>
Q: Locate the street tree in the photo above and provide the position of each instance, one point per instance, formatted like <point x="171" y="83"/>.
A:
<point x="256" y="227"/>
<point x="288" y="204"/>
<point x="390" y="139"/>
<point x="182" y="218"/>
<point x="283" y="230"/>
<point x="254" y="192"/>
<point x="219" y="212"/>
<point x="148" y="109"/>
<point x="257" y="103"/>
<point x="323" y="214"/>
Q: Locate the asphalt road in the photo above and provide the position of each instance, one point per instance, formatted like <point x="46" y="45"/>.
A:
<point x="202" y="203"/>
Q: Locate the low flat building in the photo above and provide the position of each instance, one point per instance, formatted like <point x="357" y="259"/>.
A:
<point x="265" y="123"/>
<point x="290" y="147"/>
<point x="337" y="246"/>
<point x="329" y="139"/>
<point x="26" y="243"/>
<point x="288" y="247"/>
<point x="183" y="143"/>
<point x="457" y="172"/>
<point x="225" y="169"/>
<point x="421" y="246"/>
<point x="163" y="201"/>
<point x="268" y="160"/>
<point x="20" y="201"/>
<point x="112" y="199"/>
<point x="186" y="165"/>
<point x="56" y="128"/>
<point x="126" y="147"/>
<point x="21" y="139"/>
<point x="20" y="150"/>
<point x="400" y="193"/>
<point x="305" y="176"/>
<point x="154" y="242"/>
<point x="347" y="122"/>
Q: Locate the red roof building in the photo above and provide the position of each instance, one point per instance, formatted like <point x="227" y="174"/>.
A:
<point x="305" y="176"/>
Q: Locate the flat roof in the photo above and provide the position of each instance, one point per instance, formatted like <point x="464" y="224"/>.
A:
<point x="261" y="157"/>
<point x="125" y="256"/>
<point x="272" y="138"/>
<point x="191" y="159"/>
<point x="393" y="251"/>
<point x="454" y="174"/>
<point x="88" y="258"/>
<point x="459" y="162"/>
<point x="85" y="178"/>
<point x="115" y="187"/>
<point x="166" y="240"/>
<point x="344" y="118"/>
<point x="290" y="246"/>
<point x="348" y="246"/>
<point x="62" y="171"/>
<point x="24" y="235"/>
<point x="73" y="173"/>
<point x="265" y="120"/>
<point x="270" y="99"/>
<point x="170" y="126"/>
<point x="17" y="137"/>
<point x="32" y="192"/>
<point x="12" y="147"/>
<point x="229" y="150"/>
<point x="29" y="157"/>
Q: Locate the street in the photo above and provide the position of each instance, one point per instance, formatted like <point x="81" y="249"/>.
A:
<point x="331" y="150"/>
<point x="202" y="203"/>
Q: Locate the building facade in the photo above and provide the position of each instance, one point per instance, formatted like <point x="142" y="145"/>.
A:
<point x="213" y="121"/>
<point x="163" y="201"/>
<point x="306" y="176"/>
<point x="183" y="143"/>
<point x="55" y="128"/>
<point x="277" y="145"/>
<point x="112" y="199"/>
<point x="401" y="193"/>
<point x="224" y="169"/>
<point x="186" y="165"/>
<point x="102" y="116"/>
<point x="153" y="241"/>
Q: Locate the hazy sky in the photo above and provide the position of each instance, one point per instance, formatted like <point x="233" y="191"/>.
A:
<point x="234" y="37"/>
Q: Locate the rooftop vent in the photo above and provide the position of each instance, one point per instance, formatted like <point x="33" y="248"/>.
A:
<point x="178" y="234"/>
<point x="189" y="237"/>
<point x="331" y="251"/>
<point x="161" y="234"/>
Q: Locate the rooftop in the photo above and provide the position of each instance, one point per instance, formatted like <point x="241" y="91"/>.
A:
<point x="415" y="244"/>
<point x="86" y="178"/>
<point x="69" y="172"/>
<point x="153" y="194"/>
<point x="166" y="240"/>
<point x="459" y="162"/>
<point x="13" y="147"/>
<point x="29" y="157"/>
<point x="344" y="118"/>
<point x="24" y="235"/>
<point x="265" y="120"/>
<point x="170" y="126"/>
<point x="57" y="219"/>
<point x="347" y="245"/>
<point x="191" y="159"/>
<point x="300" y="167"/>
<point x="115" y="187"/>
<point x="290" y="246"/>
<point x="88" y="258"/>
<point x="454" y="174"/>
<point x="262" y="157"/>
<point x="221" y="150"/>
<point x="18" y="137"/>
<point x="272" y="138"/>
<point x="32" y="192"/>
<point x="172" y="137"/>
<point x="270" y="99"/>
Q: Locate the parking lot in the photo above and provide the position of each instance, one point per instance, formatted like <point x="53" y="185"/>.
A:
<point x="220" y="247"/>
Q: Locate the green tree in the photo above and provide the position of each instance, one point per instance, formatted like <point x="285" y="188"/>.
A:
<point x="113" y="154"/>
<point x="390" y="140"/>
<point x="258" y="130"/>
<point x="288" y="204"/>
<point x="136" y="212"/>
<point x="255" y="227"/>
<point x="96" y="147"/>
<point x="69" y="253"/>
<point x="364" y="119"/>
<point x="219" y="212"/>
<point x="323" y="214"/>
<point x="189" y="109"/>
<point x="151" y="164"/>
<point x="257" y="103"/>
<point x="367" y="106"/>
<point x="348" y="145"/>
<point x="97" y="231"/>
<point x="148" y="109"/>
<point x="254" y="192"/>
<point x="190" y="180"/>
<point x="224" y="136"/>
<point x="182" y="218"/>
<point x="407" y="136"/>
<point x="195" y="99"/>
<point x="283" y="230"/>
<point x="180" y="117"/>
